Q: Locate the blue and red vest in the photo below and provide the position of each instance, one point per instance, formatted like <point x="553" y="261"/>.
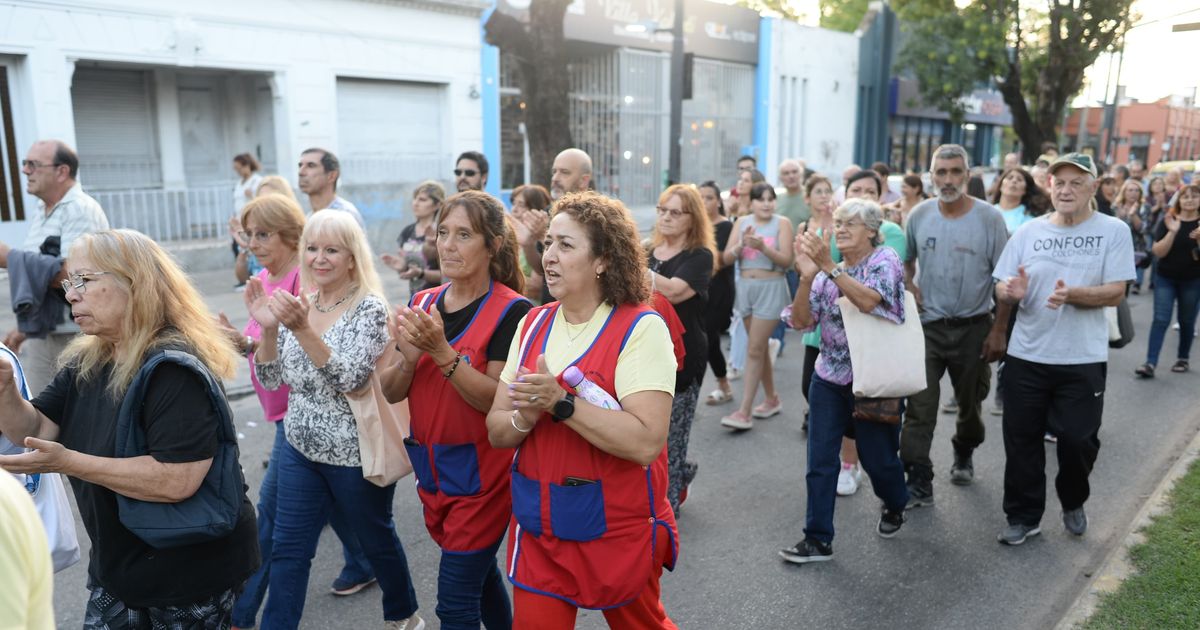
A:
<point x="462" y="481"/>
<point x="589" y="544"/>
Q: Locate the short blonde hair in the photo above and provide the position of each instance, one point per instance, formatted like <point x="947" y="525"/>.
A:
<point x="277" y="185"/>
<point x="276" y="213"/>
<point x="164" y="309"/>
<point x="342" y="229"/>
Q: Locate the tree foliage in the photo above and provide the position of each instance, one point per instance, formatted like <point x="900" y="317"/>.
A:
<point x="1036" y="57"/>
<point x="843" y="15"/>
<point x="540" y="50"/>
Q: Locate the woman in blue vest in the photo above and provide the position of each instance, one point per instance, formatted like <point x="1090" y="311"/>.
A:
<point x="451" y="344"/>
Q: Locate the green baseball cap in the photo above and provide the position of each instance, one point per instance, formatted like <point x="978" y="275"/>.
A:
<point x="1078" y="160"/>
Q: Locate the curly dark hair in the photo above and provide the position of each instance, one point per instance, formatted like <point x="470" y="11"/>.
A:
<point x="612" y="237"/>
<point x="1036" y="201"/>
<point x="487" y="216"/>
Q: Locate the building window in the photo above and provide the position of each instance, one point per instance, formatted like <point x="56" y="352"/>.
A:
<point x="1139" y="146"/>
<point x="12" y="204"/>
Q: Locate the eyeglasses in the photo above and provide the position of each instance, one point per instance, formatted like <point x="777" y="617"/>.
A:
<point x="837" y="225"/>
<point x="34" y="165"/>
<point x="745" y="169"/>
<point x="78" y="281"/>
<point x="675" y="214"/>
<point x="459" y="172"/>
<point x="260" y="236"/>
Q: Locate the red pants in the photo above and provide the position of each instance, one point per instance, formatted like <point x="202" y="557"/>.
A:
<point x="532" y="611"/>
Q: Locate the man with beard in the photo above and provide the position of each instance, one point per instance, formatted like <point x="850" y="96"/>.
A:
<point x="957" y="239"/>
<point x="470" y="171"/>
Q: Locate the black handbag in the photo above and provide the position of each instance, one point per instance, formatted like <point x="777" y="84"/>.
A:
<point x="213" y="511"/>
<point x="881" y="410"/>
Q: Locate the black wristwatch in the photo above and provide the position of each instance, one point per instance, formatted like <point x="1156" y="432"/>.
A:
<point x="564" y="408"/>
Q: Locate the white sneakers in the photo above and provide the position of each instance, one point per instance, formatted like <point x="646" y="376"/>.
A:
<point x="848" y="479"/>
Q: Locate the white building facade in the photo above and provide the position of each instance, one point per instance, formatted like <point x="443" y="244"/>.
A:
<point x="158" y="96"/>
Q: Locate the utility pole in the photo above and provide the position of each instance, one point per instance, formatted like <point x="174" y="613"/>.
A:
<point x="676" y="123"/>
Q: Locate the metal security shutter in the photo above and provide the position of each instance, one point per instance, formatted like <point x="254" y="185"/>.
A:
<point x="115" y="129"/>
<point x="391" y="131"/>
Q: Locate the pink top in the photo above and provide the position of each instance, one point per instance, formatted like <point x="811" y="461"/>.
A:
<point x="274" y="402"/>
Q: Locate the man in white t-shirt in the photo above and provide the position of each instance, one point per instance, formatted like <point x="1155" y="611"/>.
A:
<point x="1061" y="270"/>
<point x="64" y="213"/>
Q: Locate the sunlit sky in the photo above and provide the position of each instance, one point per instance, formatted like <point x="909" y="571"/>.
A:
<point x="1157" y="61"/>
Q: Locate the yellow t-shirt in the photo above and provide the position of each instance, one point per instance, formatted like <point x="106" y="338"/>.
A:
<point x="26" y="573"/>
<point x="647" y="363"/>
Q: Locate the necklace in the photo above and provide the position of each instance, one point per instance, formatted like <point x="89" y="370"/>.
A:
<point x="571" y="339"/>
<point x="327" y="309"/>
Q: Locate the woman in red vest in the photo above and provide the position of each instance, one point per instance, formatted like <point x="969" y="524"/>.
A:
<point x="451" y="344"/>
<point x="592" y="527"/>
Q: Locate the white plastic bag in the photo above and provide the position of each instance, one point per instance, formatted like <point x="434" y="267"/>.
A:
<point x="59" y="521"/>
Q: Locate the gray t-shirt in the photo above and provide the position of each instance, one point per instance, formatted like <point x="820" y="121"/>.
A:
<point x="1095" y="252"/>
<point x="955" y="258"/>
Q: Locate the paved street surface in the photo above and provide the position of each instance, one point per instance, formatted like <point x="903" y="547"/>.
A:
<point x="944" y="569"/>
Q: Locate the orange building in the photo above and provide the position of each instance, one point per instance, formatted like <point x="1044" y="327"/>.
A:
<point x="1167" y="129"/>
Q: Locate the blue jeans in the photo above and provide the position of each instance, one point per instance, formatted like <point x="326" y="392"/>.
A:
<point x="307" y="491"/>
<point x="1166" y="293"/>
<point x="356" y="570"/>
<point x="830" y="407"/>
<point x="471" y="590"/>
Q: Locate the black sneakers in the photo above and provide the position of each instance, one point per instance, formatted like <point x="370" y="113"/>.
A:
<point x="890" y="523"/>
<point x="807" y="550"/>
<point x="920" y="486"/>
<point x="962" y="471"/>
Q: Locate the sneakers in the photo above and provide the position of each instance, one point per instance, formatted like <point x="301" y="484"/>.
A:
<point x="737" y="420"/>
<point x="920" y="487"/>
<point x="342" y="587"/>
<point x="890" y="523"/>
<point x="962" y="472"/>
<point x="766" y="409"/>
<point x="733" y="374"/>
<point x="773" y="348"/>
<point x="848" y="479"/>
<point x="1014" y="535"/>
<point x="998" y="407"/>
<point x="1050" y="437"/>
<point x="1075" y="521"/>
<point x="412" y="623"/>
<point x="807" y="550"/>
<point x="951" y="406"/>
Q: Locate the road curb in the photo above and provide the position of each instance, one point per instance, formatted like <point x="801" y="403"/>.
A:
<point x="1118" y="566"/>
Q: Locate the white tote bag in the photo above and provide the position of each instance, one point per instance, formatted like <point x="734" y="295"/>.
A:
<point x="888" y="359"/>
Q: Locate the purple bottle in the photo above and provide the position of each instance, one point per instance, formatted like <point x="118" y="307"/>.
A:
<point x="588" y="390"/>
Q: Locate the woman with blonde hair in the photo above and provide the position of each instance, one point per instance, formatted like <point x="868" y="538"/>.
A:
<point x="133" y="302"/>
<point x="324" y="344"/>
<point x="275" y="184"/>
<point x="681" y="261"/>
<point x="247" y="264"/>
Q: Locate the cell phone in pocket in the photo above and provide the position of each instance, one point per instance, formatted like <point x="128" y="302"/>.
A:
<point x="577" y="481"/>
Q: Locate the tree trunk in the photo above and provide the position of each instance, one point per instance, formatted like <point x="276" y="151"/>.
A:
<point x="541" y="53"/>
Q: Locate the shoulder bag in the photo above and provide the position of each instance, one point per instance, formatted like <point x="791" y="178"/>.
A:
<point x="888" y="360"/>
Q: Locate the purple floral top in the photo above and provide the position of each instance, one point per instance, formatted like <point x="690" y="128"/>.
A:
<point x="881" y="271"/>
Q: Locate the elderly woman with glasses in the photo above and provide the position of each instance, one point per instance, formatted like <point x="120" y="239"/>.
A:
<point x="872" y="278"/>
<point x="132" y="301"/>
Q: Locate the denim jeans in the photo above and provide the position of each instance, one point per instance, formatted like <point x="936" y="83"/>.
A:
<point x="1168" y="292"/>
<point x="830" y="407"/>
<point x="355" y="571"/>
<point x="471" y="590"/>
<point x="307" y="492"/>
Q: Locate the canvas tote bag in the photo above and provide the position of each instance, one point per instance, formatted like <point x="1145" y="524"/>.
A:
<point x="888" y="359"/>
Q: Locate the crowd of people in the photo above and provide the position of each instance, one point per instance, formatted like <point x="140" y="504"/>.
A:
<point x="551" y="360"/>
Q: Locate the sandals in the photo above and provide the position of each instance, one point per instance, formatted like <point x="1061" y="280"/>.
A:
<point x="1180" y="366"/>
<point x="1146" y="370"/>
<point x="718" y="397"/>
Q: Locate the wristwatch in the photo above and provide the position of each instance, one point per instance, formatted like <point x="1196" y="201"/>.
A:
<point x="564" y="408"/>
<point x="833" y="275"/>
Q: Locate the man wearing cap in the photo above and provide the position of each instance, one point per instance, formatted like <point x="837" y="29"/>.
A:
<point x="1060" y="272"/>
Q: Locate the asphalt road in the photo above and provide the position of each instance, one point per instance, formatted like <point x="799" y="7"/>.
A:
<point x="943" y="570"/>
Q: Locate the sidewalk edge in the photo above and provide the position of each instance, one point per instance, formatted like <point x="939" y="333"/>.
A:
<point x="1117" y="565"/>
